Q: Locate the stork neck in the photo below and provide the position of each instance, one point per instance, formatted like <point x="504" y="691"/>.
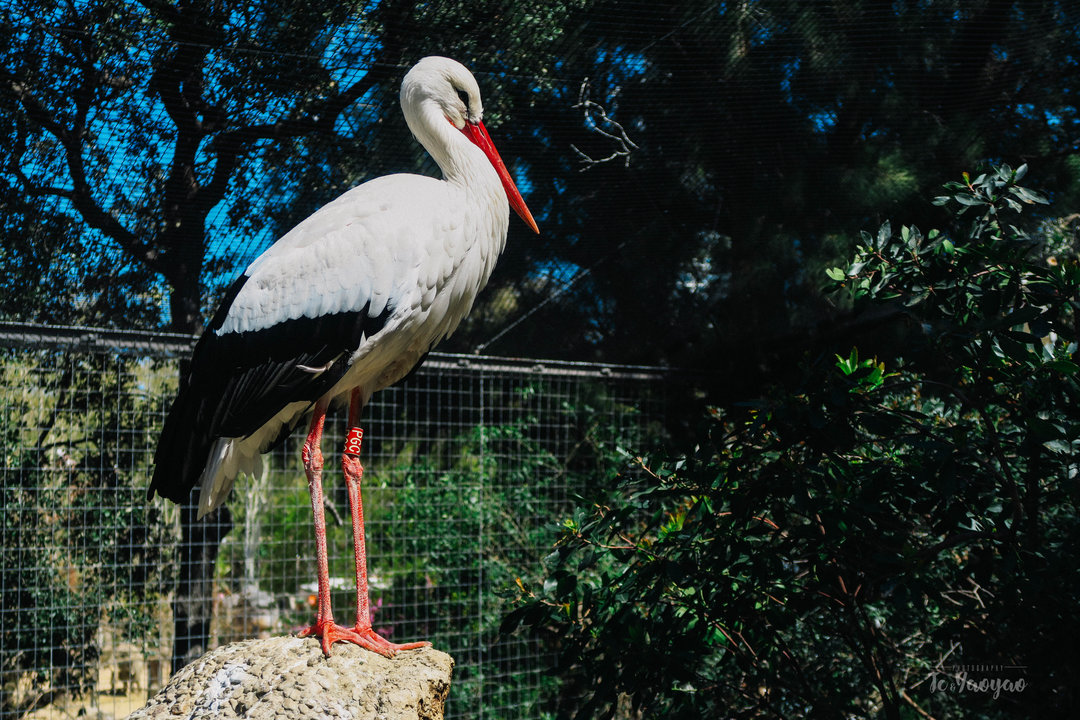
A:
<point x="461" y="162"/>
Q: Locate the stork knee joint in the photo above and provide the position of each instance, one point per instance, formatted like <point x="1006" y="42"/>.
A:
<point x="312" y="457"/>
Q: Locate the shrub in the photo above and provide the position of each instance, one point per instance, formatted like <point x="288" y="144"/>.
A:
<point x="874" y="537"/>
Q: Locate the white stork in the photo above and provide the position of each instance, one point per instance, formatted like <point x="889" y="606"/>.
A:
<point x="346" y="303"/>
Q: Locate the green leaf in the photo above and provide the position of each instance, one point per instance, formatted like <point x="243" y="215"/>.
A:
<point x="513" y="620"/>
<point x="1044" y="430"/>
<point x="1028" y="196"/>
<point x="1063" y="366"/>
<point x="884" y="234"/>
<point x="849" y="364"/>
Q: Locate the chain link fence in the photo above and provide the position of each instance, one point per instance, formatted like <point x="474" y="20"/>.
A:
<point x="467" y="467"/>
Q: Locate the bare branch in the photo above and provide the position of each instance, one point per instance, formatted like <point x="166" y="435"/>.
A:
<point x="597" y="119"/>
<point x="922" y="713"/>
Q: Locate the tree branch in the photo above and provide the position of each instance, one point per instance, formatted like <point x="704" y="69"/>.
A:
<point x="229" y="146"/>
<point x="625" y="146"/>
<point x="80" y="195"/>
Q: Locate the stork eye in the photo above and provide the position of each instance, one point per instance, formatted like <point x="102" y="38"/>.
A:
<point x="464" y="96"/>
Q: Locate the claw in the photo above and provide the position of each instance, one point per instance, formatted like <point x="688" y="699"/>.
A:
<point x="329" y="633"/>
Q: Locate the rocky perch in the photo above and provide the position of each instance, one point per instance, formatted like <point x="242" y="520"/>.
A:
<point x="288" y="677"/>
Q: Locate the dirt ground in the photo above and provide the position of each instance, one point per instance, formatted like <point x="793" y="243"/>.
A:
<point x="112" y="699"/>
<point x="98" y="707"/>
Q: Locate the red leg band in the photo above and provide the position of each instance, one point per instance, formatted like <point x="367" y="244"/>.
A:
<point x="352" y="441"/>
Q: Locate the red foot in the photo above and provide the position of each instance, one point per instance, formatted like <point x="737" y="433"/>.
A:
<point x="384" y="646"/>
<point x="329" y="633"/>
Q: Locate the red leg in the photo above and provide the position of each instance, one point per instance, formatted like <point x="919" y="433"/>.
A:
<point x="354" y="471"/>
<point x="324" y="627"/>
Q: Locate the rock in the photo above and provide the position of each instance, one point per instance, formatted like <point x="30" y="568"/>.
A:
<point x="288" y="677"/>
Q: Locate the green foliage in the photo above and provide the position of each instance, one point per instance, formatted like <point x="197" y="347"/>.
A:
<point x="501" y="488"/>
<point x="848" y="542"/>
<point x="79" y="550"/>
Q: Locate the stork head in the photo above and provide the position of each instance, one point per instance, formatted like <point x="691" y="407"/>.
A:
<point x="450" y="87"/>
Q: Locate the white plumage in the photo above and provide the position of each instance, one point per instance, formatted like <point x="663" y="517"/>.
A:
<point x="351" y="298"/>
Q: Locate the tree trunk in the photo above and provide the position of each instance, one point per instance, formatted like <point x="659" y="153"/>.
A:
<point x="193" y="602"/>
<point x="200" y="540"/>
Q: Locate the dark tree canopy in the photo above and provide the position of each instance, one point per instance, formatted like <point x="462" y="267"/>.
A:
<point x="693" y="165"/>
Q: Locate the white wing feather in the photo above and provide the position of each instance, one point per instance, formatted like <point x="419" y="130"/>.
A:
<point x="354" y="252"/>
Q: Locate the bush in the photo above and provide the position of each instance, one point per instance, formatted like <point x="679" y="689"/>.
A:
<point x="80" y="551"/>
<point x="891" y="538"/>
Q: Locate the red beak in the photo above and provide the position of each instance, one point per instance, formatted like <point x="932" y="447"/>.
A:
<point x="478" y="134"/>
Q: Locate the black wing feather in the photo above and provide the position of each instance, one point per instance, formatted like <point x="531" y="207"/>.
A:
<point x="237" y="382"/>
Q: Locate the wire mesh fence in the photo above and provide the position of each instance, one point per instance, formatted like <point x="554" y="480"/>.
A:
<point x="467" y="465"/>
